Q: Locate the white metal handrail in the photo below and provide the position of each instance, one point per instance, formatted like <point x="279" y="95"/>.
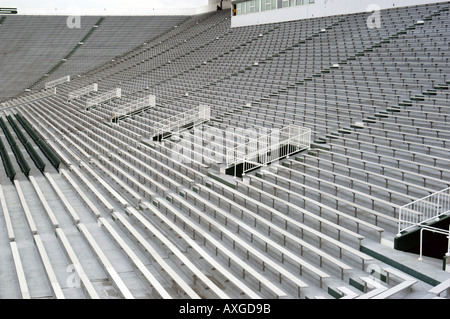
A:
<point x="28" y="98"/>
<point x="103" y="97"/>
<point x="424" y="210"/>
<point x="133" y="106"/>
<point x="83" y="91"/>
<point x="270" y="147"/>
<point x="52" y="84"/>
<point x="176" y="123"/>
<point x="434" y="230"/>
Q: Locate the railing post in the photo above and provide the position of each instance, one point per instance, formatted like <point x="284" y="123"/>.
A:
<point x="439" y="207"/>
<point x="448" y="237"/>
<point x="421" y="235"/>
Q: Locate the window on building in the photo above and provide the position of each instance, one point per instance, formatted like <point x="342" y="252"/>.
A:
<point x="239" y="7"/>
<point x="251" y="6"/>
<point x="268" y="5"/>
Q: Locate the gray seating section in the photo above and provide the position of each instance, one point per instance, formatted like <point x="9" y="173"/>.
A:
<point x="34" y="45"/>
<point x="31" y="46"/>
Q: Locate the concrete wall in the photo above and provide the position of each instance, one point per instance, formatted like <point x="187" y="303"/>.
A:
<point x="120" y="9"/>
<point x="321" y="8"/>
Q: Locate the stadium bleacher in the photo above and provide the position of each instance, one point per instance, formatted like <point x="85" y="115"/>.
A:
<point x="139" y="218"/>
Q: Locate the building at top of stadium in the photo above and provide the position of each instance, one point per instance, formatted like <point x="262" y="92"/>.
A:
<point x="252" y="12"/>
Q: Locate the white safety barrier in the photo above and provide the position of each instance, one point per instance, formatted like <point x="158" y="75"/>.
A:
<point x="424" y="210"/>
<point x="54" y="83"/>
<point x="103" y="97"/>
<point x="132" y="107"/>
<point x="270" y="147"/>
<point x="177" y="123"/>
<point x="82" y="91"/>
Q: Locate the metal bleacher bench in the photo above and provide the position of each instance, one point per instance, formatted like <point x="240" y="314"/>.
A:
<point x="120" y="165"/>
<point x="149" y="277"/>
<point x="127" y="176"/>
<point x="336" y="175"/>
<point x="64" y="200"/>
<point x="26" y="209"/>
<point x="80" y="193"/>
<point x="47" y="208"/>
<point x="120" y="182"/>
<point x="7" y="216"/>
<point x="219" y="247"/>
<point x="84" y="279"/>
<point x="146" y="224"/>
<point x="396" y="289"/>
<point x="270" y="226"/>
<point x="371" y="282"/>
<point x="347" y="293"/>
<point x="180" y="282"/>
<point x="237" y="240"/>
<point x="407" y="283"/>
<point x="440" y="288"/>
<point x="358" y="221"/>
<point x="23" y="285"/>
<point x="285" y="253"/>
<point x="107" y="266"/>
<point x="320" y="235"/>
<point x="55" y="137"/>
<point x="365" y="161"/>
<point x="355" y="169"/>
<point x="92" y="188"/>
<point x="56" y="287"/>
<point x="163" y="157"/>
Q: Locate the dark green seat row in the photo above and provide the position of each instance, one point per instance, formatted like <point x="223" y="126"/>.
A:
<point x="54" y="160"/>
<point x="21" y="160"/>
<point x="16" y="150"/>
<point x="9" y="169"/>
<point x="17" y="130"/>
<point x="2" y="145"/>
<point x="7" y="133"/>
<point x="40" y="164"/>
<point x="27" y="127"/>
<point x="51" y="156"/>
